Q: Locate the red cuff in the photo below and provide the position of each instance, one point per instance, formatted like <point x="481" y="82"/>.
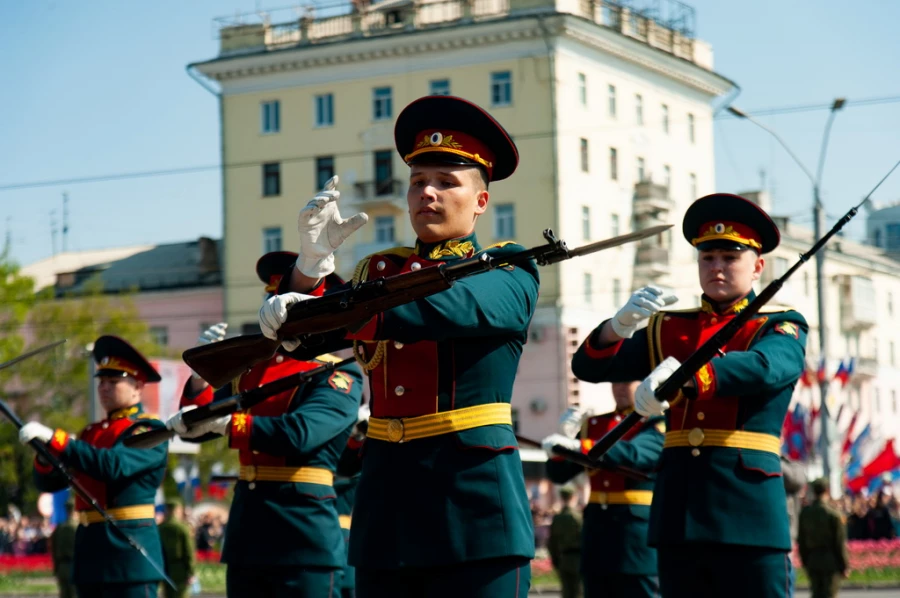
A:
<point x="58" y="443"/>
<point x="604" y="353"/>
<point x="367" y="332"/>
<point x="239" y="436"/>
<point x="586" y="445"/>
<point x="705" y="381"/>
<point x="42" y="468"/>
<point x="204" y="397"/>
<point x="318" y="290"/>
<point x="354" y="443"/>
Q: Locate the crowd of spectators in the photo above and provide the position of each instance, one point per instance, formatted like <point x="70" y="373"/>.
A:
<point x="873" y="517"/>
<point x="23" y="536"/>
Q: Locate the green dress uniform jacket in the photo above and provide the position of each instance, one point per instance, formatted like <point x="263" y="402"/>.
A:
<point x="456" y="496"/>
<point x="179" y="554"/>
<point x="124" y="481"/>
<point x="277" y="523"/>
<point x="720" y="473"/>
<point x="617" y="514"/>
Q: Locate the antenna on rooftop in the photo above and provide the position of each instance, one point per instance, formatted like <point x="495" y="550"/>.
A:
<point x="65" y="223"/>
<point x="53" y="230"/>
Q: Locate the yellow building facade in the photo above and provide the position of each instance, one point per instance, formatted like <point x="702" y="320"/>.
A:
<point x="610" y="109"/>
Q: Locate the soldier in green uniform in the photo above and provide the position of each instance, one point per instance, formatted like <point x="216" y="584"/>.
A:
<point x="123" y="480"/>
<point x="822" y="539"/>
<point x="178" y="549"/>
<point x="564" y="544"/>
<point x="62" y="552"/>
<point x="345" y="487"/>
<point x="616" y="560"/>
<point x="441" y="506"/>
<point x="719" y="518"/>
<point x="283" y="536"/>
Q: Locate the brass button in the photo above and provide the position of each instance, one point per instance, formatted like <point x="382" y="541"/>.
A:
<point x="395" y="430"/>
<point x="714" y="320"/>
<point x="604" y="506"/>
<point x="398" y="345"/>
<point x="606" y="483"/>
<point x="251" y="486"/>
<point x="399" y="391"/>
<point x="415" y="266"/>
<point x="695" y="452"/>
<point x="701" y="416"/>
<point x="696" y="436"/>
<point x="279" y="358"/>
<point x="380" y="265"/>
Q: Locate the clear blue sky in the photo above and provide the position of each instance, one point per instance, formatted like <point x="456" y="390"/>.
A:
<point x="96" y="88"/>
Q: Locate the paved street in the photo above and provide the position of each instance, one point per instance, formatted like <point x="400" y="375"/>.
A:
<point x="890" y="593"/>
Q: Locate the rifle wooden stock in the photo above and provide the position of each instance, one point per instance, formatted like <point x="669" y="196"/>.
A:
<point x="218" y="363"/>
<point x="239" y="402"/>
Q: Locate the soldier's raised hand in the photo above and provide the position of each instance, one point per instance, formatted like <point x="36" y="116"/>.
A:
<point x="218" y="425"/>
<point x="549" y="442"/>
<point x="322" y="230"/>
<point x="645" y="401"/>
<point x="213" y="334"/>
<point x="643" y="303"/>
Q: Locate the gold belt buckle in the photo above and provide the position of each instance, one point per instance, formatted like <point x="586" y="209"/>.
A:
<point x="696" y="437"/>
<point x="251" y="473"/>
<point x="395" y="430"/>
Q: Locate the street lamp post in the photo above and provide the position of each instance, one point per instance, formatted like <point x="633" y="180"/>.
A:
<point x="828" y="465"/>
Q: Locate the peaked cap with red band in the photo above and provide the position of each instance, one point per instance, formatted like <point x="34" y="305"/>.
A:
<point x="117" y="358"/>
<point x="271" y="268"/>
<point x="724" y="221"/>
<point x="451" y="130"/>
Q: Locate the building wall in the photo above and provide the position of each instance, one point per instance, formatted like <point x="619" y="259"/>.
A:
<point x="182" y="314"/>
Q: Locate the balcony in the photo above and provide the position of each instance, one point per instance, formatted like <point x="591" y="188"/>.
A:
<point x="857" y="303"/>
<point x="651" y="263"/>
<point x="651" y="200"/>
<point x="389" y="193"/>
<point x="865" y="368"/>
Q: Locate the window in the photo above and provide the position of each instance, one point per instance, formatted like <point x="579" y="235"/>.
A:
<point x="582" y="88"/>
<point x="691" y="135"/>
<point x="617" y="292"/>
<point x="384" y="172"/>
<point x="890" y="304"/>
<point x="384" y="229"/>
<point x="640" y="170"/>
<point x="667" y="175"/>
<point x="892" y="236"/>
<point x="639" y="109"/>
<point x="611" y="101"/>
<point x="614" y="225"/>
<point x="613" y="164"/>
<point x="271" y="239"/>
<point x="693" y="179"/>
<point x="585" y="165"/>
<point x="501" y="88"/>
<point x="325" y="110"/>
<point x="586" y="223"/>
<point x="271" y="174"/>
<point x="505" y="221"/>
<point x="160" y="335"/>
<point x="251" y="328"/>
<point x="324" y="170"/>
<point x="877" y="237"/>
<point x="439" y="87"/>
<point x="382" y="106"/>
<point x="665" y="119"/>
<point x="269" y="117"/>
<point x="588" y="287"/>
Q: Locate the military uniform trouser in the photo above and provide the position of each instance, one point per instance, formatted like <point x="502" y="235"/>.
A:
<point x="182" y="590"/>
<point x="618" y="585"/>
<point x="823" y="584"/>
<point x="118" y="590"/>
<point x="348" y="593"/>
<point x="66" y="589"/>
<point x="508" y="577"/>
<point x="706" y="570"/>
<point x="282" y="582"/>
<point x="570" y="583"/>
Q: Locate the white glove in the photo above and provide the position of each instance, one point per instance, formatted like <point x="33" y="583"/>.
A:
<point x="645" y="401"/>
<point x="643" y="303"/>
<point x="363" y="414"/>
<point x="216" y="426"/>
<point x="573" y="444"/>
<point x="35" y="431"/>
<point x="570" y="422"/>
<point x="213" y="334"/>
<point x="322" y="230"/>
<point x="273" y="314"/>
